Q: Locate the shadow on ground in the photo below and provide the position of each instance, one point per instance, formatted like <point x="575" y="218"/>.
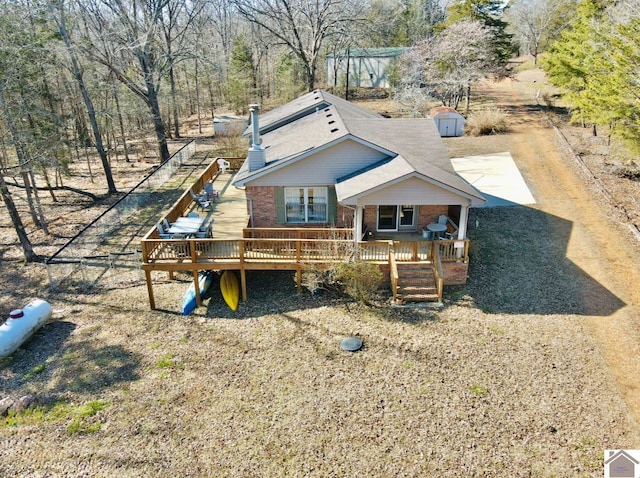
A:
<point x="269" y="292"/>
<point x="84" y="366"/>
<point x="519" y="266"/>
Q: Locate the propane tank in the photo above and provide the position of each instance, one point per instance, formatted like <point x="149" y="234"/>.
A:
<point x="22" y="324"/>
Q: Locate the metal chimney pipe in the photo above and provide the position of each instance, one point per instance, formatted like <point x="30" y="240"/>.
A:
<point x="255" y="127"/>
<point x="257" y="156"/>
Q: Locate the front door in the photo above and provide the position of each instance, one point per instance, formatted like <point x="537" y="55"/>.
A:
<point x="407" y="217"/>
<point x="387" y="218"/>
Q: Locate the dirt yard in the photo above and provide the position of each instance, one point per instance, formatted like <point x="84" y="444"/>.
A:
<point x="529" y="370"/>
<point x="598" y="213"/>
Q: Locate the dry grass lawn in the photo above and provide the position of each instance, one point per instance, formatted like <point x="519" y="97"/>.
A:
<point x="269" y="392"/>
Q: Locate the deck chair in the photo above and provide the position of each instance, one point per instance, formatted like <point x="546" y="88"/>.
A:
<point x="204" y="234"/>
<point x="193" y="214"/>
<point x="223" y="165"/>
<point x="442" y="219"/>
<point x="165" y="224"/>
<point x="212" y="194"/>
<point x="200" y="201"/>
<point x="207" y="224"/>
<point x="162" y="232"/>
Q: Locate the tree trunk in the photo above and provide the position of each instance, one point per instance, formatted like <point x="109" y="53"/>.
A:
<point x="121" y="124"/>
<point x="27" y="248"/>
<point x="346" y="88"/>
<point x="158" y="125"/>
<point x="77" y="73"/>
<point x="42" y="220"/>
<point x="467" y="99"/>
<point x="174" y="103"/>
<point x="47" y="181"/>
<point x="198" y="98"/>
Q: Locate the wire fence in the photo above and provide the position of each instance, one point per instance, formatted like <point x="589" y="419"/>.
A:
<point x="107" y="250"/>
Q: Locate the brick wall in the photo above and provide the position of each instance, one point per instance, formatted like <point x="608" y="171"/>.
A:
<point x="429" y="214"/>
<point x="263" y="201"/>
<point x="455" y="273"/>
<point x="264" y="209"/>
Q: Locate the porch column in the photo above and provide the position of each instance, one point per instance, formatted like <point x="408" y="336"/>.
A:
<point x="357" y="226"/>
<point x="357" y="229"/>
<point x="462" y="227"/>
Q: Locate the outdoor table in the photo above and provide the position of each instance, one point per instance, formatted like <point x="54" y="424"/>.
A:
<point x="186" y="225"/>
<point x="436" y="228"/>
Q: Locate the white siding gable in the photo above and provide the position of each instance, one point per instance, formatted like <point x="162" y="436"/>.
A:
<point x="412" y="191"/>
<point x="324" y="167"/>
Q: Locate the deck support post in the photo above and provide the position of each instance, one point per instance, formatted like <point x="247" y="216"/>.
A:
<point x="196" y="284"/>
<point x="152" y="302"/>
<point x="243" y="282"/>
<point x="299" y="279"/>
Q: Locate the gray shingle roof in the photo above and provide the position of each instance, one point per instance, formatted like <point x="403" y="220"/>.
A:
<point x="414" y="145"/>
<point x="371" y="52"/>
<point x="306" y="105"/>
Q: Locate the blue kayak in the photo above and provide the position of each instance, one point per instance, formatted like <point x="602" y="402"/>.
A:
<point x="189" y="302"/>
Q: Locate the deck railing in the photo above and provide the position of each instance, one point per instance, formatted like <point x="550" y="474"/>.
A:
<point x="185" y="202"/>
<point x="156" y="250"/>
<point x="297" y="233"/>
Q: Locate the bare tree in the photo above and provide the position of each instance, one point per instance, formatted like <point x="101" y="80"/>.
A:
<point x="446" y="65"/>
<point x="123" y="36"/>
<point x="57" y="10"/>
<point x="538" y="22"/>
<point x="302" y="25"/>
<point x="176" y="19"/>
<point x="27" y="248"/>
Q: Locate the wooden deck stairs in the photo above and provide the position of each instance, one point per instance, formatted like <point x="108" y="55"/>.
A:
<point x="416" y="283"/>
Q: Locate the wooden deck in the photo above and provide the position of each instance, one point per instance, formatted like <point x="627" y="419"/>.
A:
<point x="236" y="247"/>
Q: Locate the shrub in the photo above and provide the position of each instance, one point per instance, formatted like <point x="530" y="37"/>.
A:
<point x="361" y="280"/>
<point x="490" y="121"/>
<point x="231" y="143"/>
<point x="317" y="279"/>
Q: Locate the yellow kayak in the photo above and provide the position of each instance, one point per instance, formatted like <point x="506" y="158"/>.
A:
<point x="230" y="290"/>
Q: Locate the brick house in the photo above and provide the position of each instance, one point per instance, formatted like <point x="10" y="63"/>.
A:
<point x="320" y="161"/>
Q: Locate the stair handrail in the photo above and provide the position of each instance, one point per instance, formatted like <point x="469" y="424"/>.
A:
<point x="437" y="268"/>
<point x="393" y="271"/>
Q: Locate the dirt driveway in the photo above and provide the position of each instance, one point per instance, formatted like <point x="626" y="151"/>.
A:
<point x="598" y="241"/>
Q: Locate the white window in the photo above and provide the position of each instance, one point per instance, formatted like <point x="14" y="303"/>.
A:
<point x="306" y="204"/>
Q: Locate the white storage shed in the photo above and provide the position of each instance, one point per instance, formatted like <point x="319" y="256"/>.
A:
<point x="448" y="121"/>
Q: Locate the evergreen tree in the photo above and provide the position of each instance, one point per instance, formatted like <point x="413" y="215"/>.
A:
<point x="577" y="58"/>
<point x="610" y="97"/>
<point x="489" y="13"/>
<point x="242" y="83"/>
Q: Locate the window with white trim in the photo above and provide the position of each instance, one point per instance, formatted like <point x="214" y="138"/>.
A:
<point x="306" y="204"/>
